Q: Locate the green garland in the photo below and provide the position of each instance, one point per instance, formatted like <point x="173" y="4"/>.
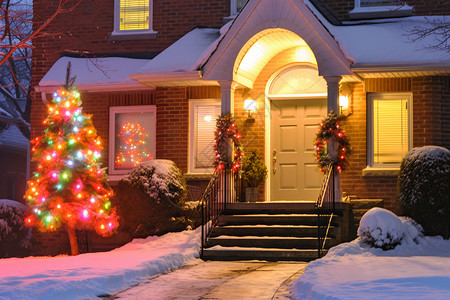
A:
<point x="226" y="130"/>
<point x="330" y="128"/>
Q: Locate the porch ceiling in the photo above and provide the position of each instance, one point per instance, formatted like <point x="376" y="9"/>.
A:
<point x="261" y="48"/>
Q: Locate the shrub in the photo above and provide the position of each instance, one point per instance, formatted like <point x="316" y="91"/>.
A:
<point x="151" y="200"/>
<point x="380" y="228"/>
<point x="424" y="188"/>
<point x="14" y="234"/>
<point x="253" y="169"/>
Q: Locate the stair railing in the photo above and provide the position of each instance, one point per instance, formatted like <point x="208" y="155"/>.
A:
<point x="325" y="207"/>
<point x="218" y="194"/>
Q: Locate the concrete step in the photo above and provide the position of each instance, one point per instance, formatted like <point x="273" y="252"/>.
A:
<point x="266" y="242"/>
<point x="269" y="230"/>
<point x="241" y="253"/>
<point x="267" y="219"/>
<point x="366" y="203"/>
<point x="271" y="208"/>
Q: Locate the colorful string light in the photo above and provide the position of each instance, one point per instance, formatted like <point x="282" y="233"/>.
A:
<point x="69" y="175"/>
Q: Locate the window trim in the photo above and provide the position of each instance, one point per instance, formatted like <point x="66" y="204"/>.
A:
<point x="118" y="34"/>
<point x="371" y="166"/>
<point x="379" y="11"/>
<point x="113" y="111"/>
<point x="191" y="152"/>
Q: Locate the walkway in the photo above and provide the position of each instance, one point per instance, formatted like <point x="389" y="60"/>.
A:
<point x="220" y="280"/>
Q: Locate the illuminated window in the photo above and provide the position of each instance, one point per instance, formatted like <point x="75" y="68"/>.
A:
<point x="389" y="128"/>
<point x="236" y="6"/>
<point x="133" y="18"/>
<point x="132" y="137"/>
<point x="202" y="124"/>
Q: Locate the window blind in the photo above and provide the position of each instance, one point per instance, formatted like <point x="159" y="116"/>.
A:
<point x="204" y="127"/>
<point x="134" y="14"/>
<point x="390" y="130"/>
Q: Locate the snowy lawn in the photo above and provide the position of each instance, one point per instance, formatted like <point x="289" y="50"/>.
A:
<point x="88" y="275"/>
<point x="417" y="268"/>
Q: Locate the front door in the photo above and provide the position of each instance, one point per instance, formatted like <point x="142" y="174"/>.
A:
<point x="294" y="176"/>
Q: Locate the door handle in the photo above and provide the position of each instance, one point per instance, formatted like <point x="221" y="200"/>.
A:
<point x="274" y="161"/>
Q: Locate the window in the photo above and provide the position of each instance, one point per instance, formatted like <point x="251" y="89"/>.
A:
<point x="389" y="134"/>
<point x="132" y="136"/>
<point x="369" y="3"/>
<point x="133" y="19"/>
<point x="373" y="9"/>
<point x="202" y="124"/>
<point x="236" y="6"/>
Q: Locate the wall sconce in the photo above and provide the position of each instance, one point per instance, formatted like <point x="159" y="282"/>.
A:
<point x="250" y="106"/>
<point x="345" y="100"/>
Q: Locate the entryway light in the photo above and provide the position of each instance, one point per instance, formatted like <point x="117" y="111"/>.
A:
<point x="250" y="106"/>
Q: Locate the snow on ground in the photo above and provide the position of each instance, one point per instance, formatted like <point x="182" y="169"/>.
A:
<point x="88" y="275"/>
<point x="417" y="268"/>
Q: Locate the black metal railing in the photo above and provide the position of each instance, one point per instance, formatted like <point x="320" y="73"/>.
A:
<point x="325" y="208"/>
<point x="225" y="187"/>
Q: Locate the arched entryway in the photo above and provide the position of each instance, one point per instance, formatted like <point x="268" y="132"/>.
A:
<point x="297" y="101"/>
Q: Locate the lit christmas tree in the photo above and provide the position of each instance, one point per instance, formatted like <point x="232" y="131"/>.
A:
<point x="69" y="187"/>
<point x="132" y="146"/>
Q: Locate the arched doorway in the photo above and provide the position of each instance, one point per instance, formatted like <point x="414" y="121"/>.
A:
<point x="297" y="97"/>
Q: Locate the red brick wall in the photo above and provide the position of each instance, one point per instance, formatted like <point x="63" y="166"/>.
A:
<point x="431" y="117"/>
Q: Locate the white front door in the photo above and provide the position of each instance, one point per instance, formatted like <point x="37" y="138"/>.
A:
<point x="294" y="176"/>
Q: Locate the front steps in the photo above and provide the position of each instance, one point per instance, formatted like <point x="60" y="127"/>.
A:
<point x="270" y="231"/>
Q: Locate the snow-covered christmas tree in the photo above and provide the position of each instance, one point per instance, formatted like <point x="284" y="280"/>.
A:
<point x="69" y="187"/>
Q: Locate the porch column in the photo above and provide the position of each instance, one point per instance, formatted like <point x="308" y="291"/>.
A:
<point x="227" y="107"/>
<point x="333" y="104"/>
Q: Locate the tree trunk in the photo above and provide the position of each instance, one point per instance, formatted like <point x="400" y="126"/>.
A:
<point x="73" y="240"/>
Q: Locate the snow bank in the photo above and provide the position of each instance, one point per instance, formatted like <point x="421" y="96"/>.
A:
<point x="89" y="275"/>
<point x="417" y="268"/>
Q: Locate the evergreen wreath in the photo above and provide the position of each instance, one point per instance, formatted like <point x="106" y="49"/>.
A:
<point x="226" y="130"/>
<point x="329" y="129"/>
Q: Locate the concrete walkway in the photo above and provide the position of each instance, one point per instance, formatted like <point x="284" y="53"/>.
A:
<point x="220" y="280"/>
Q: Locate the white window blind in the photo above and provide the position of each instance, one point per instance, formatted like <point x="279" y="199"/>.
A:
<point x="390" y="130"/>
<point x="204" y="126"/>
<point x="134" y="14"/>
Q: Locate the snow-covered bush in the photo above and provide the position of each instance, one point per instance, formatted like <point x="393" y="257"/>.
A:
<point x="151" y="200"/>
<point x="424" y="188"/>
<point x="14" y="234"/>
<point x="381" y="228"/>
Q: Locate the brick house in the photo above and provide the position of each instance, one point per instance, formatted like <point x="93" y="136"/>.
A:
<point x="172" y="66"/>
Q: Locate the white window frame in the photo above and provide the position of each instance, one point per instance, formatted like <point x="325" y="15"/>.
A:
<point x="192" y="104"/>
<point x="370" y="131"/>
<point x="379" y="11"/>
<point x="118" y="34"/>
<point x="233" y="8"/>
<point x="113" y="111"/>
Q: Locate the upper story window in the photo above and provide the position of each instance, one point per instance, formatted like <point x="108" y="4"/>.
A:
<point x="389" y="128"/>
<point x="374" y="9"/>
<point x="236" y="6"/>
<point x="133" y="19"/>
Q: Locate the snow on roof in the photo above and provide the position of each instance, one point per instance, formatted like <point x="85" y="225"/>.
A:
<point x="385" y="41"/>
<point x="93" y="71"/>
<point x="13" y="138"/>
<point x="187" y="54"/>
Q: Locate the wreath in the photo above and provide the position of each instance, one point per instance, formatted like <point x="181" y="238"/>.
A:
<point x="226" y="130"/>
<point x="331" y="130"/>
